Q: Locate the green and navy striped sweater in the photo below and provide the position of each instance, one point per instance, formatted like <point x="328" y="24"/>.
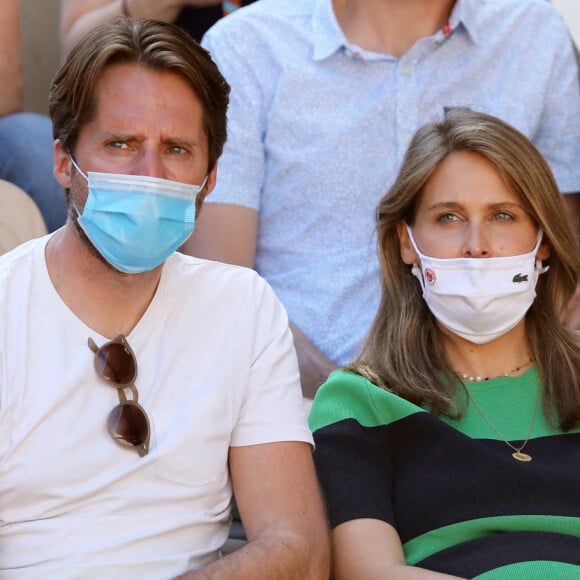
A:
<point x="458" y="499"/>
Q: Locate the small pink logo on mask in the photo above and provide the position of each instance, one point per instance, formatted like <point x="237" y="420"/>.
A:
<point x="430" y="276"/>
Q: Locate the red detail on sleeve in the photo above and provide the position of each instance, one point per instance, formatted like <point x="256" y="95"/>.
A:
<point x="447" y="28"/>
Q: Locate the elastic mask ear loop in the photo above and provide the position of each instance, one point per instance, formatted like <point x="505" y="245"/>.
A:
<point x="203" y="184"/>
<point x="539" y="238"/>
<point x="538" y="266"/>
<point x="78" y="168"/>
<point x="416" y="269"/>
<point x="74" y="205"/>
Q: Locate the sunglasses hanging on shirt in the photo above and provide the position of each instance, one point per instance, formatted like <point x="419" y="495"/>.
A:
<point x="128" y="423"/>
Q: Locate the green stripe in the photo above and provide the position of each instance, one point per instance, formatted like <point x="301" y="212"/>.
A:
<point x="349" y="396"/>
<point x="434" y="541"/>
<point x="507" y="402"/>
<point x="539" y="569"/>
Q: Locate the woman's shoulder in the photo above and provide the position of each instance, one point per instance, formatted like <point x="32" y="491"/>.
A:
<point x="346" y="395"/>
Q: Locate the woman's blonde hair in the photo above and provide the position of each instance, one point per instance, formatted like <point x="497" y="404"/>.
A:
<point x="403" y="352"/>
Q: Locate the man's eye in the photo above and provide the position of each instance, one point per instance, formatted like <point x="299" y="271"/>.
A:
<point x="177" y="150"/>
<point x="117" y="144"/>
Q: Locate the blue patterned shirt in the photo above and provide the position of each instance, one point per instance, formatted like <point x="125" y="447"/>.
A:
<point x="318" y="128"/>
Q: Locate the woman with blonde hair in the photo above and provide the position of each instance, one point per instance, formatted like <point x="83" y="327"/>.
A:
<point x="451" y="447"/>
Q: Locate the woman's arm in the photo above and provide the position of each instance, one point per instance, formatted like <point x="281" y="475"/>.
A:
<point x="370" y="549"/>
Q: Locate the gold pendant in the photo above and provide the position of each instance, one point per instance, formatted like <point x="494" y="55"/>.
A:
<point x="520" y="456"/>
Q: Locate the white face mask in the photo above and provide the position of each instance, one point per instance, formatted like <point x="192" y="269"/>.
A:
<point x="479" y="299"/>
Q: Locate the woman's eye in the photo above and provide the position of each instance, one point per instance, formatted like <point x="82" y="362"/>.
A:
<point x="503" y="216"/>
<point x="447" y="218"/>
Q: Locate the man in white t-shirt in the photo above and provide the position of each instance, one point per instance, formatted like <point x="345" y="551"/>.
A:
<point x="140" y="388"/>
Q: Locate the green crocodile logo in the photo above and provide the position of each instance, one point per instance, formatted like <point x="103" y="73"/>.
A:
<point x="520" y="278"/>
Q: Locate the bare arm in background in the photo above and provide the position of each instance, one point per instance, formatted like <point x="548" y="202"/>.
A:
<point x="228" y="233"/>
<point x="78" y="17"/>
<point x="10" y="58"/>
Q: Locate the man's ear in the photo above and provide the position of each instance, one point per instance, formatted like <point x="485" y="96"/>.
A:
<point x="209" y="186"/>
<point x="61" y="164"/>
<point x="408" y="254"/>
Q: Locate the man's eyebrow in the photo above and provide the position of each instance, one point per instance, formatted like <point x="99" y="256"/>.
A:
<point x="121" y="135"/>
<point x="181" y="141"/>
<point x="131" y="136"/>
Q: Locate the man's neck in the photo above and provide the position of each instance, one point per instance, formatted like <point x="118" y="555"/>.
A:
<point x="390" y="26"/>
<point x="109" y="302"/>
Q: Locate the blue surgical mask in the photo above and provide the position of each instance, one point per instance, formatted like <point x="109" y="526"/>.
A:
<point x="136" y="222"/>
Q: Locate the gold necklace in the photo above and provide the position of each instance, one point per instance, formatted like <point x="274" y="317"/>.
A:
<point x="479" y="379"/>
<point x="517" y="454"/>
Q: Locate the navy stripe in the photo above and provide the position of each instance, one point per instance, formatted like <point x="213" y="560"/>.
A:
<point x="472" y="558"/>
<point x="405" y="473"/>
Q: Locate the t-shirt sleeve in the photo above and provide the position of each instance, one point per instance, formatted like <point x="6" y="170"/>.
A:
<point x="351" y="452"/>
<point x="271" y="408"/>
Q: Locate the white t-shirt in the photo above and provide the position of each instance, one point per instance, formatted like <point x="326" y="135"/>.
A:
<point x="216" y="368"/>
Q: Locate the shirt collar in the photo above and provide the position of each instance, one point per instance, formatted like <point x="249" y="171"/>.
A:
<point x="468" y="13"/>
<point x="327" y="36"/>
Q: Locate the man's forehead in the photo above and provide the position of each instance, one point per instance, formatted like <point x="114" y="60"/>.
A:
<point x="135" y="101"/>
<point x="130" y="86"/>
<point x="140" y="79"/>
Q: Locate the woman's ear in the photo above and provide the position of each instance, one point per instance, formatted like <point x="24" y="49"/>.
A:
<point x="408" y="254"/>
<point x="61" y="164"/>
<point x="543" y="252"/>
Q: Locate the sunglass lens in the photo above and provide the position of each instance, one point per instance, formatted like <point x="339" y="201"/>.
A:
<point x="116" y="363"/>
<point x="128" y="424"/>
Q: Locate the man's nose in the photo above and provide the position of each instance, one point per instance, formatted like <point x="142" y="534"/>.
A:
<point x="150" y="163"/>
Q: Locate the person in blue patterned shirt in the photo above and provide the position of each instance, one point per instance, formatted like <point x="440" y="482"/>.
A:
<point x="326" y="96"/>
